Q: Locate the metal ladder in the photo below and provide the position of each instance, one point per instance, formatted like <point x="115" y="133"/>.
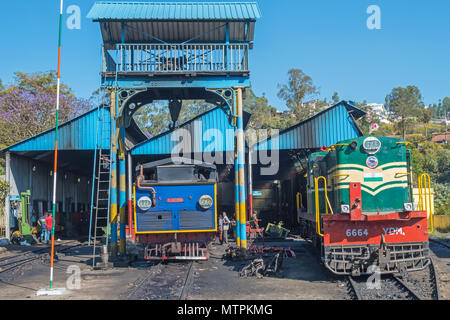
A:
<point x="100" y="207"/>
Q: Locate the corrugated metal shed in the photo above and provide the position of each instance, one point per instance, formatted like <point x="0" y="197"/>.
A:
<point x="175" y="22"/>
<point x="210" y="131"/>
<point x="328" y="127"/>
<point x="77" y="134"/>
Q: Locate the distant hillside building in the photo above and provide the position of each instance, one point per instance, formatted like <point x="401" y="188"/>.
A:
<point x="380" y="111"/>
<point x="441" y="122"/>
<point x="441" y="138"/>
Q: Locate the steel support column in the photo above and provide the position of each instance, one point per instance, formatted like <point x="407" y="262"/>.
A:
<point x="250" y="180"/>
<point x="241" y="165"/>
<point x="113" y="189"/>
<point x="130" y="196"/>
<point x="7" y="198"/>
<point x="236" y="189"/>
<point x="122" y="192"/>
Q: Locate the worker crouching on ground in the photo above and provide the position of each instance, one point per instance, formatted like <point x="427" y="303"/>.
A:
<point x="226" y="227"/>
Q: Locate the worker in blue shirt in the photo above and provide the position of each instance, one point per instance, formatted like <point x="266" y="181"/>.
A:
<point x="42" y="224"/>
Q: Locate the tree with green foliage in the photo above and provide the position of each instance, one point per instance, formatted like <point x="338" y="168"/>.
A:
<point x="446" y="107"/>
<point x="441" y="110"/>
<point x="404" y="103"/>
<point x="153" y="118"/>
<point x="40" y="82"/>
<point x="335" y="97"/>
<point x="193" y="108"/>
<point x="425" y="116"/>
<point x="264" y="116"/>
<point x="298" y="87"/>
<point x="434" y="159"/>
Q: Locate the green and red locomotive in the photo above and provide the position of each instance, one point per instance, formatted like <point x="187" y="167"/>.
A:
<point x="360" y="211"/>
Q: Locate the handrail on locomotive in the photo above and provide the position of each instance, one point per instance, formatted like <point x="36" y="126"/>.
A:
<point x="425" y="203"/>
<point x="327" y="205"/>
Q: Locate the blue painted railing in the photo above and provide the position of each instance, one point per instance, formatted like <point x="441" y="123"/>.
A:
<point x="176" y="58"/>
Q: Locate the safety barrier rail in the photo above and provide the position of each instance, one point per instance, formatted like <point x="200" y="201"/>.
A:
<point x="176" y="58"/>
<point x="327" y="205"/>
<point x="425" y="203"/>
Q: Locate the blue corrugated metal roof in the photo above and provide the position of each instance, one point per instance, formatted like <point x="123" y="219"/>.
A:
<point x="210" y="131"/>
<point x="324" y="129"/>
<point x="121" y="10"/>
<point x="76" y="134"/>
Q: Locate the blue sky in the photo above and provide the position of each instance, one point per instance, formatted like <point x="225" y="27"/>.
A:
<point x="327" y="39"/>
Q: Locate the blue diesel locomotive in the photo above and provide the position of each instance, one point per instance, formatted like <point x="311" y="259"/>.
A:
<point x="175" y="208"/>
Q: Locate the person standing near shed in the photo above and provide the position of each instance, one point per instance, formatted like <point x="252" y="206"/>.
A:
<point x="41" y="223"/>
<point x="221" y="229"/>
<point x="226" y="227"/>
<point x="49" y="226"/>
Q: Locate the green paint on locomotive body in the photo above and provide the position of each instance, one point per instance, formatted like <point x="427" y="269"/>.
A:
<point x="384" y="178"/>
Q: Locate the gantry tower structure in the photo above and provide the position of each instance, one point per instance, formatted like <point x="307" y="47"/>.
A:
<point x="173" y="51"/>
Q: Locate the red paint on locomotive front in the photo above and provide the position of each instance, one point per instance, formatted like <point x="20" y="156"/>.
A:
<point x="396" y="227"/>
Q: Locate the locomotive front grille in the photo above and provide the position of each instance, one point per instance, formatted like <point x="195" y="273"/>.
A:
<point x="356" y="260"/>
<point x="155" y="221"/>
<point x="196" y="220"/>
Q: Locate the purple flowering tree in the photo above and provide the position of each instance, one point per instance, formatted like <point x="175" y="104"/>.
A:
<point x="28" y="107"/>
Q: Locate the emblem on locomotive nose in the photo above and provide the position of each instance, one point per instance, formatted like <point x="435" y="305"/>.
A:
<point x="372" y="162"/>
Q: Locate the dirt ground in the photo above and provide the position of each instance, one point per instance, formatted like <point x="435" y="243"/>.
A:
<point x="301" y="278"/>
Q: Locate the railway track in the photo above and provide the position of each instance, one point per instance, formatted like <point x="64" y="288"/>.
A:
<point x="188" y="283"/>
<point x="391" y="288"/>
<point x="440" y="242"/>
<point x="414" y="286"/>
<point x="12" y="262"/>
<point x="164" y="282"/>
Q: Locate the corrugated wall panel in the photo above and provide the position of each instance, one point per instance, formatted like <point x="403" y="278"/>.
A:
<point x="77" y="134"/>
<point x="327" y="128"/>
<point x="201" y="136"/>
